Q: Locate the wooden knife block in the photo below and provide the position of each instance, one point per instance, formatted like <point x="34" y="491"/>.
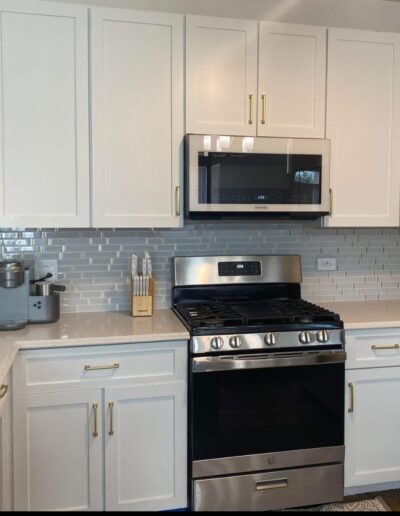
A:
<point x="142" y="306"/>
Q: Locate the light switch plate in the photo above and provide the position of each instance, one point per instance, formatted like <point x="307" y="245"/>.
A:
<point x="327" y="264"/>
<point x="43" y="267"/>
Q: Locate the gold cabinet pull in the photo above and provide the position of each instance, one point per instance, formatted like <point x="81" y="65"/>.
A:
<point x="264" y="109"/>
<point x="95" y="407"/>
<point x="111" y="409"/>
<point x="350" y="410"/>
<point x="330" y="201"/>
<point x="3" y="391"/>
<point x="376" y="348"/>
<point x="97" y="368"/>
<point x="250" y="109"/>
<point x="178" y="201"/>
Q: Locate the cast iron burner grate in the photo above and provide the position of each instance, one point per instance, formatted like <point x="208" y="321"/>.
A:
<point x="252" y="313"/>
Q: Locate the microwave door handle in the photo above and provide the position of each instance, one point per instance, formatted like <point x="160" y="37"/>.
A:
<point x="210" y="364"/>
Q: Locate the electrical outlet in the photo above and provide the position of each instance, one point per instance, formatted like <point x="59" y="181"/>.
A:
<point x="327" y="264"/>
<point x="43" y="267"/>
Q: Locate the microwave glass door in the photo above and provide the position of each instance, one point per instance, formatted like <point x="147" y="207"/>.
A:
<point x="241" y="178"/>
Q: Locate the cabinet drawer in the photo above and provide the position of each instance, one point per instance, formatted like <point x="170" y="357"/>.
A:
<point x="84" y="367"/>
<point x="372" y="348"/>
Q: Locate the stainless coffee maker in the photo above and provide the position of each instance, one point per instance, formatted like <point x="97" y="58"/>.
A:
<point x="14" y="295"/>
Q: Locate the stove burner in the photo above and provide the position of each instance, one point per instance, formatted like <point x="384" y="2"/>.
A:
<point x="278" y="311"/>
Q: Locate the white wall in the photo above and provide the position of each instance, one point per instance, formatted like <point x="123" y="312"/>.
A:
<point x="363" y="14"/>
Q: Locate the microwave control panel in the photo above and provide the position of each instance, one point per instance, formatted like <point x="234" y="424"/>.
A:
<point x="239" y="269"/>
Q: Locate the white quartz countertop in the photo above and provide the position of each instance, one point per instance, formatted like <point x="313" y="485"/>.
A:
<point x="358" y="315"/>
<point x="90" y="329"/>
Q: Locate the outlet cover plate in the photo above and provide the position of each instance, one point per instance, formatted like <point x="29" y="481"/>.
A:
<point x="327" y="264"/>
<point x="43" y="267"/>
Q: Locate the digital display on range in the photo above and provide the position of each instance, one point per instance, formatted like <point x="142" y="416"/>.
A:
<point x="239" y="269"/>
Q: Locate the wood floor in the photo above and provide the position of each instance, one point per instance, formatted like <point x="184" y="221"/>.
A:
<point x="391" y="498"/>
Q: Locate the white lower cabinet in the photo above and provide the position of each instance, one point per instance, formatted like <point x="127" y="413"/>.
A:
<point x="6" y="446"/>
<point x="57" y="459"/>
<point x="145" y="462"/>
<point x="117" y="445"/>
<point x="372" y="421"/>
<point x="373" y="428"/>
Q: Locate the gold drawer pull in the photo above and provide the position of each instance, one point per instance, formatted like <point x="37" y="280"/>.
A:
<point x="351" y="401"/>
<point x="98" y="368"/>
<point x="111" y="407"/>
<point x="376" y="348"/>
<point x="278" y="483"/>
<point x="3" y="391"/>
<point x="95" y="432"/>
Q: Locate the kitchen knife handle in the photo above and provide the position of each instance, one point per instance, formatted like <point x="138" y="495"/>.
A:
<point x="178" y="201"/>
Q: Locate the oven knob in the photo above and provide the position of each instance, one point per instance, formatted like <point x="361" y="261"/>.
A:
<point x="270" y="339"/>
<point x="235" y="342"/>
<point x="217" y="342"/>
<point x="305" y="337"/>
<point x="323" y="336"/>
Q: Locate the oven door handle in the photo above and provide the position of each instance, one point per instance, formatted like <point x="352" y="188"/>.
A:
<point x="238" y="362"/>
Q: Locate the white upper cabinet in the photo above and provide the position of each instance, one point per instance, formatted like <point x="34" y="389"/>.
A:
<point x="363" y="110"/>
<point x="221" y="76"/>
<point x="44" y="115"/>
<point x="291" y="80"/>
<point x="137" y="118"/>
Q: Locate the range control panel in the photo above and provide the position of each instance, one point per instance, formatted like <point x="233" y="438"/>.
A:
<point x="239" y="268"/>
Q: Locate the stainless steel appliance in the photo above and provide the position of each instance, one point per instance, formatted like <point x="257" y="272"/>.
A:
<point x="266" y="385"/>
<point x="44" y="302"/>
<point x="23" y="300"/>
<point x="14" y="295"/>
<point x="235" y="176"/>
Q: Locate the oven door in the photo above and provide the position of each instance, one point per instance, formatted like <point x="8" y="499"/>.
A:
<point x="252" y="412"/>
<point x="231" y="174"/>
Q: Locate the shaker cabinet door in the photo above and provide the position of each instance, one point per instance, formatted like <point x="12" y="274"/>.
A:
<point x="221" y="76"/>
<point x="145" y="447"/>
<point x="363" y="124"/>
<point x="57" y="454"/>
<point x="137" y="118"/>
<point x="372" y="426"/>
<point x="44" y="115"/>
<point x="291" y="80"/>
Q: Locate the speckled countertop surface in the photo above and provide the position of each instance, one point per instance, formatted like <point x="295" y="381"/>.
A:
<point x="358" y="315"/>
<point x="90" y="329"/>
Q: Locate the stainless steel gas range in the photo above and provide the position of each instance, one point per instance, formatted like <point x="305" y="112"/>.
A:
<point x="266" y="385"/>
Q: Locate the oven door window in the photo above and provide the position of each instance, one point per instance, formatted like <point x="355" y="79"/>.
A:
<point x="254" y="411"/>
<point x="240" y="178"/>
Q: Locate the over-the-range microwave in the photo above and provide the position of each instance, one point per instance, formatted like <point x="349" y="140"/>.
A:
<point x="241" y="176"/>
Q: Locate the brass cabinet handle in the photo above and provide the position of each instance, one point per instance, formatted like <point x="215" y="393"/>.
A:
<point x="178" y="201"/>
<point x="278" y="483"/>
<point x="95" y="407"/>
<point x="351" y="403"/>
<point x="375" y="348"/>
<point x="330" y="201"/>
<point x="3" y="391"/>
<point x="250" y="109"/>
<point x="111" y="409"/>
<point x="264" y="109"/>
<point x="97" y="368"/>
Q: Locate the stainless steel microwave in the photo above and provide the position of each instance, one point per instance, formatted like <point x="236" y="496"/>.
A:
<point x="236" y="176"/>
